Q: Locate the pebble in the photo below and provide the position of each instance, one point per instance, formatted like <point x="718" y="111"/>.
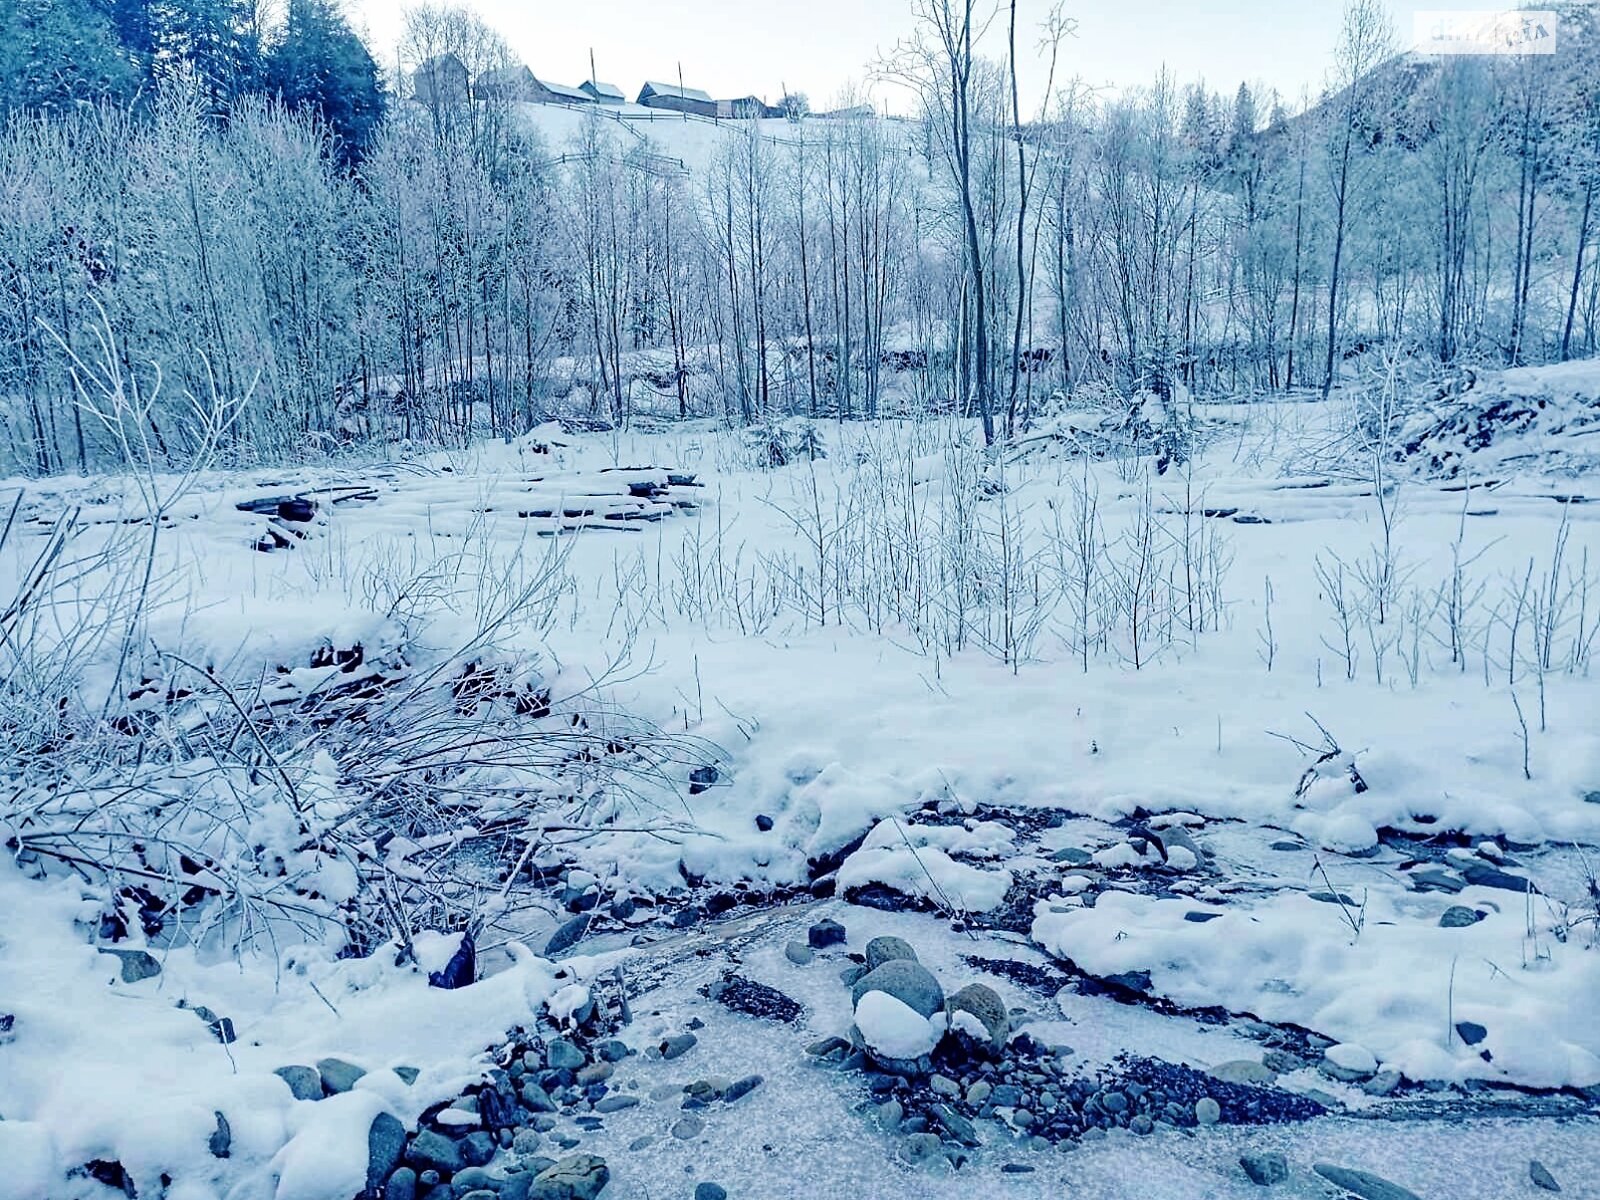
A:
<point x="1541" y="1177"/>
<point x="825" y="933"/>
<point x="943" y="1085"/>
<point x="434" y="1151"/>
<point x="1207" y="1111"/>
<point x="1266" y="1169"/>
<point x="979" y="1092"/>
<point x="337" y="1075"/>
<point x="687" y="1128"/>
<point x="615" y="1103"/>
<point x="1243" y="1070"/>
<point x="740" y="1088"/>
<point x="563" y="1055"/>
<point x="799" y="954"/>
<point x="581" y="1177"/>
<point x="1459" y="916"/>
<point x="304" y="1082"/>
<point x="921" y="1148"/>
<point x="402" y="1185"/>
<point x="710" y="1191"/>
<point x="886" y="949"/>
<point x="674" y="1047"/>
<point x="136" y="964"/>
<point x="1382" y="1084"/>
<point x="386" y="1143"/>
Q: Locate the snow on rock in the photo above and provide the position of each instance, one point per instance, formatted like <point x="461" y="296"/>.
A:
<point x="910" y="859"/>
<point x="894" y="1029"/>
<point x="1391" y="990"/>
<point x="1350" y="1057"/>
<point x="77" y="1087"/>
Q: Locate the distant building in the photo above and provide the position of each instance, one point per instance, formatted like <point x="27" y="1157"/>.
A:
<point x="746" y="107"/>
<point x="508" y="83"/>
<point x="677" y="99"/>
<point x="441" y="79"/>
<point x="555" y="93"/>
<point x="854" y="113"/>
<point x="603" y="93"/>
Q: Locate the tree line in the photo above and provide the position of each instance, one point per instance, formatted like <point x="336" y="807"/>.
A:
<point x="450" y="273"/>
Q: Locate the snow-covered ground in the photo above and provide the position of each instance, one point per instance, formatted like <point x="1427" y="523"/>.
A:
<point x="884" y="678"/>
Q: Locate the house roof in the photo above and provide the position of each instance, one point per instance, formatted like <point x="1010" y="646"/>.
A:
<point x="446" y="61"/>
<point x="682" y="93"/>
<point x="610" y="90"/>
<point x="566" y="93"/>
<point x="512" y="74"/>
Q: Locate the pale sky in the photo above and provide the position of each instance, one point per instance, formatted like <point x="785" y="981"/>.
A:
<point x="742" y="47"/>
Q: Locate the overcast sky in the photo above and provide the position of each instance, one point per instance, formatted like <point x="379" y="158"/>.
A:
<point x="743" y="47"/>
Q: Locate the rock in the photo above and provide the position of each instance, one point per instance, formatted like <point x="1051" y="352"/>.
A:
<point x="568" y="935"/>
<point x="477" y="1148"/>
<point x="754" y="999"/>
<point x="1480" y="874"/>
<point x="702" y="779"/>
<point x="740" y="1088"/>
<point x="1142" y="1124"/>
<point x="535" y="1099"/>
<point x="615" y="1103"/>
<point x="1471" y="1032"/>
<point x="408" y="1075"/>
<point x="221" y="1141"/>
<point x="1382" y="1084"/>
<point x="920" y="1148"/>
<point x="825" y="933"/>
<point x="1434" y="878"/>
<point x="885" y="949"/>
<point x="687" y="1128"/>
<point x="799" y="954"/>
<point x="1132" y="981"/>
<point x="1072" y="856"/>
<point x="763" y="823"/>
<point x="431" y="1151"/>
<point x="1207" y="1111"/>
<point x="462" y="969"/>
<point x="850" y="974"/>
<point x="611" y="1050"/>
<point x="221" y="1027"/>
<point x="983" y="1003"/>
<point x="596" y="1072"/>
<point x="954" y="1124"/>
<point x="979" y="1092"/>
<point x="1541" y="1177"/>
<point x="1265" y="1169"/>
<point x="1243" y="1070"/>
<point x="581" y="1177"/>
<point x="337" y="1075"/>
<point x="1360" y="1183"/>
<point x="1348" y="1063"/>
<point x="1458" y="916"/>
<point x="908" y="982"/>
<point x="1591" y="797"/>
<point x="677" y="1046"/>
<point x="304" y="1082"/>
<point x="710" y="1191"/>
<point x="943" y="1085"/>
<point x="1282" y="1061"/>
<point x="562" y="1055"/>
<point x="473" y="1179"/>
<point x="386" y="1143"/>
<point x="136" y="964"/>
<point x="402" y="1185"/>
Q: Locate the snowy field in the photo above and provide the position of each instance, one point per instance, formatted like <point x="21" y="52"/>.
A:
<point x="1286" y="757"/>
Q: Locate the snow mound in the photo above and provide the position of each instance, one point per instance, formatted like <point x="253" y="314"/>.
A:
<point x="911" y="859"/>
<point x="1398" y="988"/>
<point x="1540" y="419"/>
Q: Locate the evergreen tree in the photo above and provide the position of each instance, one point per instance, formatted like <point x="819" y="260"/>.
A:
<point x="58" y="53"/>
<point x="320" y="63"/>
<point x="218" y="40"/>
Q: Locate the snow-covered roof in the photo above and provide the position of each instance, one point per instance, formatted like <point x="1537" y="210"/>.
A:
<point x="609" y="90"/>
<point x="682" y="93"/>
<point x="566" y="93"/>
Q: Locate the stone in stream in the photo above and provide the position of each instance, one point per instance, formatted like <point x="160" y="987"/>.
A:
<point x="568" y="935"/>
<point x="136" y="964"/>
<point x="433" y="1151"/>
<point x="825" y="933"/>
<point x="304" y="1082"/>
<point x="799" y="954"/>
<point x="1266" y="1169"/>
<point x="581" y="1177"/>
<point x="674" y="1047"/>
<point x="908" y="982"/>
<point x="337" y="1075"/>
<point x="982" y="1004"/>
<point x="1541" y="1177"/>
<point x="563" y="1055"/>
<point x="687" y="1128"/>
<point x="884" y="949"/>
<point x="402" y="1185"/>
<point x="1348" y="1063"/>
<point x="386" y="1143"/>
<point x="1207" y="1111"/>
<point x="1363" y="1184"/>
<point x="710" y="1191"/>
<point x="1471" y="1032"/>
